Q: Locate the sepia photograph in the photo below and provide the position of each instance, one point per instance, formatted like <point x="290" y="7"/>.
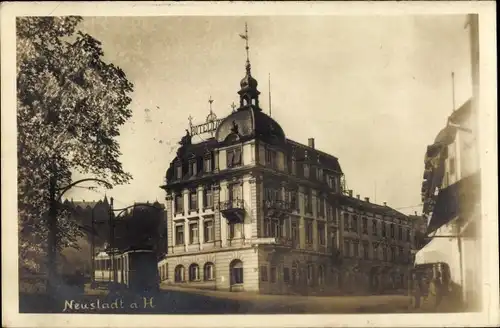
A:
<point x="238" y="163"/>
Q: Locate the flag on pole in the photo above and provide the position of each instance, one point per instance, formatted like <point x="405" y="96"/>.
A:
<point x="244" y="37"/>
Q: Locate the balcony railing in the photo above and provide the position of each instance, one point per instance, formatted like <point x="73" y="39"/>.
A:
<point x="233" y="209"/>
<point x="277" y="208"/>
<point x="232" y="204"/>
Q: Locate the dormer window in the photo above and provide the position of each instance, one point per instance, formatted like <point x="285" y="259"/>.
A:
<point x="192" y="167"/>
<point x="306" y="170"/>
<point x="319" y="174"/>
<point x="233" y="157"/>
<point x="207" y="164"/>
<point x="178" y="171"/>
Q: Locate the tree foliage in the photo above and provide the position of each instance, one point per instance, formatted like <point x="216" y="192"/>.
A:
<point x="70" y="105"/>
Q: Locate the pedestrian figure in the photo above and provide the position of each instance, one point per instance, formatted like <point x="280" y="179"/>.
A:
<point x="435" y="290"/>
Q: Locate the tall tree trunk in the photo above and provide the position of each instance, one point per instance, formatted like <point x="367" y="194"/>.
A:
<point x="52" y="238"/>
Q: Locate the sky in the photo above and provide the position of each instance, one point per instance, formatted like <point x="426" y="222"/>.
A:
<point x="373" y="91"/>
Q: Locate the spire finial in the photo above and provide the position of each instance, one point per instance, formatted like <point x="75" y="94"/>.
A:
<point x="245" y="37"/>
<point x="210" y="101"/>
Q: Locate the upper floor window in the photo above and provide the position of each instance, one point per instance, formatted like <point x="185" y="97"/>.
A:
<point x="208" y="200"/>
<point x="294" y="199"/>
<point x="319" y="174"/>
<point x="321" y="234"/>
<point x="408" y="235"/>
<point x="295" y="233"/>
<point x="193" y="233"/>
<point x="365" y="225"/>
<point x="179" y="203"/>
<point x="329" y="212"/>
<point x="308" y="201"/>
<point x="271" y="158"/>
<point x="321" y="206"/>
<point x="178" y="171"/>
<point x="208" y="232"/>
<point x="309" y="232"/>
<point x="355" y="223"/>
<point x="346" y="248"/>
<point x="346" y="221"/>
<point x="374" y="227"/>
<point x="192" y="167"/>
<point x="193" y="200"/>
<point x="294" y="166"/>
<point x="393" y="230"/>
<point x="306" y="170"/>
<point x="366" y="247"/>
<point x="207" y="164"/>
<point x="400" y="233"/>
<point x="179" y="234"/>
<point x="356" y="249"/>
<point x="234" y="190"/>
<point x="233" y="157"/>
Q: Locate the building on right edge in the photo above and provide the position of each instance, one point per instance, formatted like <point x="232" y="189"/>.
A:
<point x="451" y="194"/>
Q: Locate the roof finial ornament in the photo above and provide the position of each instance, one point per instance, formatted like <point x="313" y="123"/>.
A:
<point x="245" y="37"/>
<point x="210" y="101"/>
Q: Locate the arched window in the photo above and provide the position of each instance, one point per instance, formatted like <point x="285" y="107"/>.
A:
<point x="321" y="275"/>
<point x="236" y="272"/>
<point x="208" y="271"/>
<point x="194" y="272"/>
<point x="179" y="273"/>
<point x="295" y="273"/>
<point x="310" y="274"/>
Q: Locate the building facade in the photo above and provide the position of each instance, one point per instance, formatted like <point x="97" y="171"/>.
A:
<point x="376" y="243"/>
<point x="251" y="210"/>
<point x="451" y="196"/>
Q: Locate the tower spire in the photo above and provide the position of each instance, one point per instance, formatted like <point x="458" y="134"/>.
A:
<point x="247" y="48"/>
<point x="249" y="95"/>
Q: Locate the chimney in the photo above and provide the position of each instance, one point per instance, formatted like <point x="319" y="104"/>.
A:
<point x="350" y="193"/>
<point x="311" y="142"/>
<point x="357" y="196"/>
<point x="385" y="203"/>
<point x="367" y="199"/>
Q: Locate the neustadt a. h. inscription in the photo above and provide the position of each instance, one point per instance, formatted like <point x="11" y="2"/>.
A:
<point x="119" y="303"/>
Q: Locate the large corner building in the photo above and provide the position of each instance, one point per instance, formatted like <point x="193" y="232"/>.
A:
<point x="249" y="209"/>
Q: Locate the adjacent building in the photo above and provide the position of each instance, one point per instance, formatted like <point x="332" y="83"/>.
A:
<point x="376" y="245"/>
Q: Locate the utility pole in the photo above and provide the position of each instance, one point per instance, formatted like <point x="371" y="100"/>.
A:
<point x="92" y="250"/>
<point x="112" y="238"/>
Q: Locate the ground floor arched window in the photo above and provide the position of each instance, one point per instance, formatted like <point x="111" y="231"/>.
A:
<point x="194" y="272"/>
<point x="236" y="272"/>
<point x="295" y="273"/>
<point x="179" y="273"/>
<point x="321" y="275"/>
<point x="310" y="274"/>
<point x="208" y="271"/>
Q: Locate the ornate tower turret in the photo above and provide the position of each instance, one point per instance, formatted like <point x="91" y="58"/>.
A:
<point x="249" y="95"/>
